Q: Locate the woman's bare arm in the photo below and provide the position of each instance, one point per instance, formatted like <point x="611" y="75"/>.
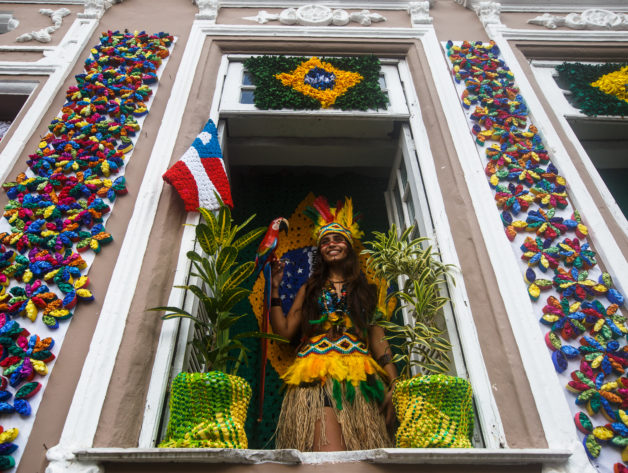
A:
<point x="285" y="325"/>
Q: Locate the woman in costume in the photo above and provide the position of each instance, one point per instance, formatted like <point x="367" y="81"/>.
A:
<point x="338" y="397"/>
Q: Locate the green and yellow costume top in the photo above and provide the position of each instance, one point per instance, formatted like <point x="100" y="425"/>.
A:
<point x="337" y="354"/>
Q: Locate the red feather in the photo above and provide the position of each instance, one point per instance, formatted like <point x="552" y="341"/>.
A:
<point x="321" y="204"/>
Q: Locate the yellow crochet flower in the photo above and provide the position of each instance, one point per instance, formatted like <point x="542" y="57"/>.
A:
<point x="326" y="95"/>
<point x="614" y="83"/>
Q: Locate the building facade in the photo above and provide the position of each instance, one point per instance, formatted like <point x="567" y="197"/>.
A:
<point x="477" y="115"/>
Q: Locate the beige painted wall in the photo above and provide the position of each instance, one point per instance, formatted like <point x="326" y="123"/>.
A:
<point x="31" y="20"/>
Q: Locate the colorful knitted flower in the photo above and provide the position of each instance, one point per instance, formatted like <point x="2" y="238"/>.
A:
<point x="549" y="195"/>
<point x="7" y="447"/>
<point x="575" y="283"/>
<point x="560" y="353"/>
<point x="545" y="224"/>
<point x="563" y="318"/>
<point x="575" y="255"/>
<point x="604" y="323"/>
<point x="605" y="356"/>
<point x="592" y="392"/>
<point x="535" y="285"/>
<point x="513" y="198"/>
<point x="540" y="253"/>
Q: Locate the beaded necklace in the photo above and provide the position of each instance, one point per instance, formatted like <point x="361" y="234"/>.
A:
<point x="333" y="307"/>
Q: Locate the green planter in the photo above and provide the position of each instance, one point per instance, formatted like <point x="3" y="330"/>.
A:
<point x="434" y="411"/>
<point x="207" y="410"/>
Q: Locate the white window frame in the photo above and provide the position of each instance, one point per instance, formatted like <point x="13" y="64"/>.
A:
<point x="545" y="73"/>
<point x="459" y="321"/>
<point x="230" y="100"/>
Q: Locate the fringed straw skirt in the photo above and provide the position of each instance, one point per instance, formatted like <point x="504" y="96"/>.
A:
<point x="362" y="425"/>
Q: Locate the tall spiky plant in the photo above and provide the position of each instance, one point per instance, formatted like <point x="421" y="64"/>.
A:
<point x="416" y="268"/>
<point x="219" y="289"/>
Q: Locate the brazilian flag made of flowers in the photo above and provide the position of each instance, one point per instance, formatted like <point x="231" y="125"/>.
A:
<point x="298" y="83"/>
<point x="597" y="89"/>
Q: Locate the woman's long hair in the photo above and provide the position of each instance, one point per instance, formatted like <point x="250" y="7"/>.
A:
<point x="361" y="296"/>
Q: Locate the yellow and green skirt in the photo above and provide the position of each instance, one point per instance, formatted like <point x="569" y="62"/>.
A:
<point x="339" y="374"/>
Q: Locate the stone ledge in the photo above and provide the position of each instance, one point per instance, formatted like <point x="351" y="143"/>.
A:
<point x="476" y="456"/>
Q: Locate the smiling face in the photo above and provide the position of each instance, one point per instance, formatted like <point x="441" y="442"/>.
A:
<point x="334" y="247"/>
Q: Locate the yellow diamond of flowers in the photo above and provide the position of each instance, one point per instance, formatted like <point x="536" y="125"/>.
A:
<point x="614" y="83"/>
<point x="344" y="80"/>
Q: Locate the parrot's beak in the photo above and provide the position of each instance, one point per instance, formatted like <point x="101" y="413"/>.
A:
<point x="284" y="225"/>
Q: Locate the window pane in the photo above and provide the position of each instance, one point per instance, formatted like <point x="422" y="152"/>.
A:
<point x="247" y="78"/>
<point x="404" y="175"/>
<point x="397" y="199"/>
<point x="382" y="82"/>
<point x="411" y="213"/>
<point x="247" y="96"/>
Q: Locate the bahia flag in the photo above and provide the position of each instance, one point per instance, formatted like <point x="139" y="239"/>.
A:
<point x="200" y="173"/>
<point x="597" y="89"/>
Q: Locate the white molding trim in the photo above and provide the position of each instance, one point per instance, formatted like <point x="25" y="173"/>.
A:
<point x="547" y="391"/>
<point x="562" y="35"/>
<point x="382" y="456"/>
<point x="563" y="110"/>
<point x="171" y="347"/>
<point x="57" y="64"/>
<point x="487" y="410"/>
<point x="312" y="32"/>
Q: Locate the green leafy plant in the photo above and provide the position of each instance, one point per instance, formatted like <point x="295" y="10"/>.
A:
<point x="416" y="268"/>
<point x="219" y="289"/>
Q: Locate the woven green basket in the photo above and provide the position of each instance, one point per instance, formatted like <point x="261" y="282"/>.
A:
<point x="434" y="411"/>
<point x="207" y="410"/>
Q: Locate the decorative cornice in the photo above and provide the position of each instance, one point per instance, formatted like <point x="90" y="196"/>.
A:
<point x="207" y="9"/>
<point x="488" y="12"/>
<point x="317" y="15"/>
<point x="591" y="19"/>
<point x="43" y="35"/>
<point x="95" y="9"/>
<point x="420" y="12"/>
<point x="7" y="22"/>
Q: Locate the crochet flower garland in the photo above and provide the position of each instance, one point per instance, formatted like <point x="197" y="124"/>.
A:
<point x="597" y="89"/>
<point x="347" y="83"/>
<point x="57" y="210"/>
<point x="528" y="186"/>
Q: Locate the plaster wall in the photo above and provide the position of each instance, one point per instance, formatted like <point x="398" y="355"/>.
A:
<point x="31" y="20"/>
<point x="455" y="22"/>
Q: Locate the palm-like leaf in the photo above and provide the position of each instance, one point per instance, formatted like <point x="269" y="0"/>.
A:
<point x="421" y="275"/>
<point x="218" y="289"/>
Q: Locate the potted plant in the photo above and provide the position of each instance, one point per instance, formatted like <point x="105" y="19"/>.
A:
<point x="208" y="409"/>
<point x="433" y="408"/>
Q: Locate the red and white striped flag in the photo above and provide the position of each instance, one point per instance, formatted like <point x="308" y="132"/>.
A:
<point x="201" y="172"/>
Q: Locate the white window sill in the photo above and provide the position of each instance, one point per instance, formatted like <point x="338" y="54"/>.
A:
<point x="436" y="456"/>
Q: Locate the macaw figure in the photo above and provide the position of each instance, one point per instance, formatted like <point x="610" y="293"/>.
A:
<point x="263" y="260"/>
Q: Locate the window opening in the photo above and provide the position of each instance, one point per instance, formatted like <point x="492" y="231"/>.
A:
<point x="273" y="155"/>
<point x="603" y="138"/>
<point x="13" y="96"/>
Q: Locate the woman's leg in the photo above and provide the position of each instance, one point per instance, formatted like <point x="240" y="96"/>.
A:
<point x="330" y="432"/>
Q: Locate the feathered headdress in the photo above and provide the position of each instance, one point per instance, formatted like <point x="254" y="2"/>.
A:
<point x="340" y="219"/>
